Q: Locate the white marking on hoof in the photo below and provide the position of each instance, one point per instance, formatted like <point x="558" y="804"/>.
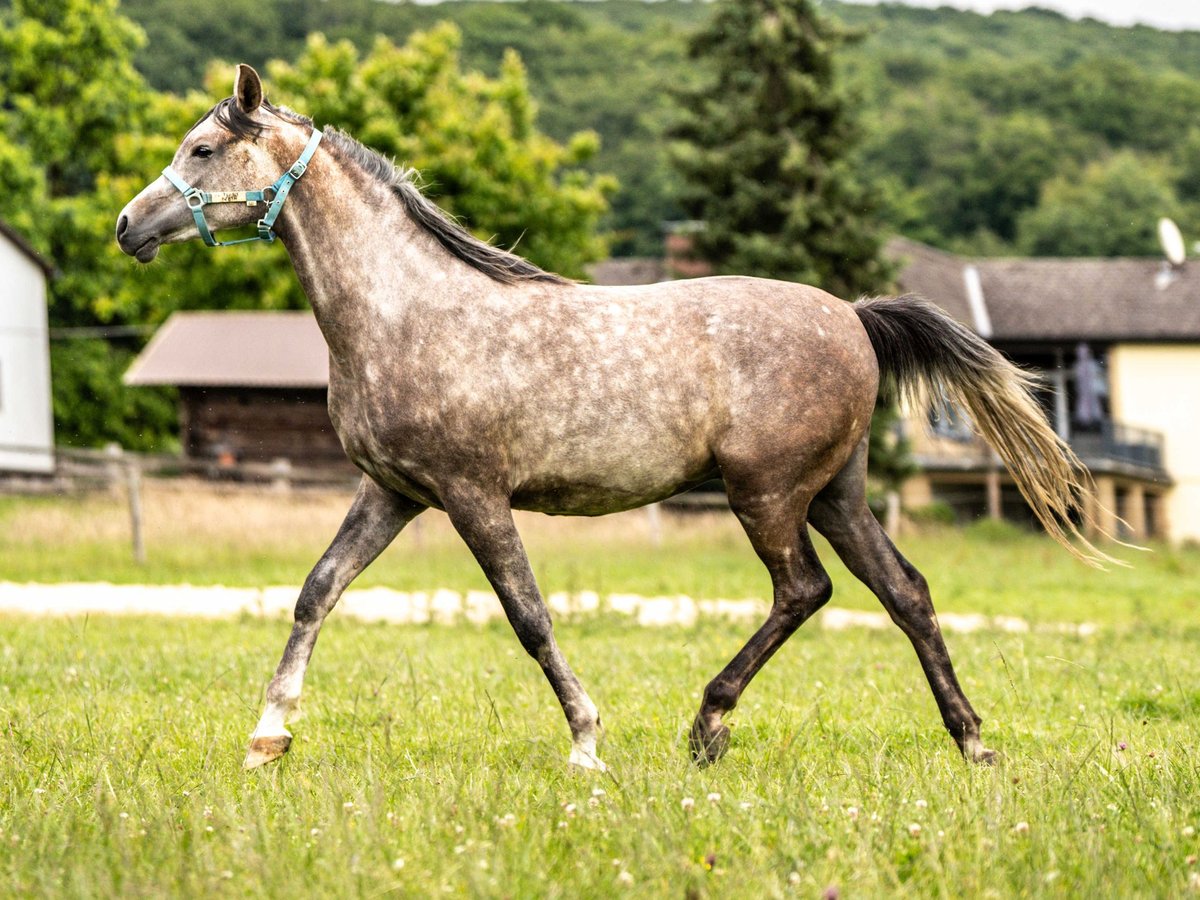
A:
<point x="266" y="749"/>
<point x="585" y="759"/>
<point x="977" y="753"/>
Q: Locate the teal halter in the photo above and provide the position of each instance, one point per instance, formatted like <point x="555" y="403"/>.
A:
<point x="197" y="199"/>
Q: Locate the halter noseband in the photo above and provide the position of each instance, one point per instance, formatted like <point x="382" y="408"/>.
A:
<point x="197" y="199"/>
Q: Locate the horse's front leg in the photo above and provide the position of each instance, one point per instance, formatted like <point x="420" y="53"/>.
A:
<point x="374" y="520"/>
<point x="485" y="522"/>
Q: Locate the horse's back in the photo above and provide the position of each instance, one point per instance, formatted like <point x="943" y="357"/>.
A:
<point x="661" y="386"/>
<point x="800" y="376"/>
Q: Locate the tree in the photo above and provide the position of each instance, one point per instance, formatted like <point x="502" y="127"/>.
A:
<point x="764" y="150"/>
<point x="472" y="138"/>
<point x="1108" y="209"/>
<point x="68" y="97"/>
<point x="81" y="133"/>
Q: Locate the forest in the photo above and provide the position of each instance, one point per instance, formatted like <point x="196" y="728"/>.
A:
<point x="1019" y="132"/>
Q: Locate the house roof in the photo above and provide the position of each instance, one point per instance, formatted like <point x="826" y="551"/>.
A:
<point x="1053" y="299"/>
<point x="23" y="245"/>
<point x="214" y="349"/>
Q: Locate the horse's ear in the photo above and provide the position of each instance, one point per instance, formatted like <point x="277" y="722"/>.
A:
<point x="247" y="89"/>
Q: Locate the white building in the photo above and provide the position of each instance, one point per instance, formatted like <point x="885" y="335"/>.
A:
<point x="26" y="417"/>
<point x="1115" y="344"/>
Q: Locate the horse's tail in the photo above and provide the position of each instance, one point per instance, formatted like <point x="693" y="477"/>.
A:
<point x="922" y="350"/>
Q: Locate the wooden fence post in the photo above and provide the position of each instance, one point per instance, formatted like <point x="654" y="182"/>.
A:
<point x="654" y="521"/>
<point x="281" y="475"/>
<point x="133" y="484"/>
<point x="121" y="463"/>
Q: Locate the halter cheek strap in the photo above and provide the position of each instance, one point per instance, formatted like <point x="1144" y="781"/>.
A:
<point x="274" y="196"/>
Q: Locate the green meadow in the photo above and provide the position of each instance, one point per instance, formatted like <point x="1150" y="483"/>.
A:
<point x="431" y="759"/>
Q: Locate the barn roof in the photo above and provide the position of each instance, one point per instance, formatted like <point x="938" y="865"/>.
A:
<point x="24" y="246"/>
<point x="1057" y="299"/>
<point x="224" y="349"/>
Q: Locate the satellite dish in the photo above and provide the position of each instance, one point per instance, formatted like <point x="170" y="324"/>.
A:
<point x="1172" y="241"/>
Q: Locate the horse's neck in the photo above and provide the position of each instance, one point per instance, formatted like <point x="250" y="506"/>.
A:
<point x="363" y="262"/>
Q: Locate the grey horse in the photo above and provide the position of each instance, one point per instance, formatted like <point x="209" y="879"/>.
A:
<point x="464" y="378"/>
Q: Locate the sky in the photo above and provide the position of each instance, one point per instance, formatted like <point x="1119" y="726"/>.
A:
<point x="1173" y="14"/>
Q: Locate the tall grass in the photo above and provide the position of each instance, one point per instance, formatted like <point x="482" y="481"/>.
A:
<point x="431" y="761"/>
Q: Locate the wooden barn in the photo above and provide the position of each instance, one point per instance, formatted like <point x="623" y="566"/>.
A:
<point x="26" y="417"/>
<point x="253" y="387"/>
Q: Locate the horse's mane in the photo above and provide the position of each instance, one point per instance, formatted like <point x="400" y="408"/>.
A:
<point x="493" y="261"/>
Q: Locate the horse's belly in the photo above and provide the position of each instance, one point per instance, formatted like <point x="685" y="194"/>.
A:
<point x="575" y="480"/>
<point x="563" y="497"/>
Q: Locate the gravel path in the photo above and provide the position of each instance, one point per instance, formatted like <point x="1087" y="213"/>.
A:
<point x="441" y="607"/>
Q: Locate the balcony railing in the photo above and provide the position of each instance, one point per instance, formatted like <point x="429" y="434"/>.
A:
<point x="1111" y="446"/>
<point x="1120" y="443"/>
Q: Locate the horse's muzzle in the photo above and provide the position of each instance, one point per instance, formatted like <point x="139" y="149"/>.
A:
<point x="135" y="243"/>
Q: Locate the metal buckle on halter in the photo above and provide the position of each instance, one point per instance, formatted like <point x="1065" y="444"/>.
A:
<point x="298" y="168"/>
<point x="194" y="194"/>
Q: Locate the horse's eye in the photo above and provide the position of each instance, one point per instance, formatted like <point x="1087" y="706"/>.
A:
<point x="203" y="151"/>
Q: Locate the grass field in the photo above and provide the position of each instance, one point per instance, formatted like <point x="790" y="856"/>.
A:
<point x="431" y="759"/>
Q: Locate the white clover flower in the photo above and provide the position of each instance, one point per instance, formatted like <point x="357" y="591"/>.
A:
<point x="687" y="803"/>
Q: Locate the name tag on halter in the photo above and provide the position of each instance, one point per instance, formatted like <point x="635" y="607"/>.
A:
<point x="232" y="197"/>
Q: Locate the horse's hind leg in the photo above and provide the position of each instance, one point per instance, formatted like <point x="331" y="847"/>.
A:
<point x="374" y="520"/>
<point x="840" y="513"/>
<point x="485" y="522"/>
<point x="801" y="587"/>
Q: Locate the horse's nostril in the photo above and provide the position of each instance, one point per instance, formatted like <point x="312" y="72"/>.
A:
<point x="122" y="225"/>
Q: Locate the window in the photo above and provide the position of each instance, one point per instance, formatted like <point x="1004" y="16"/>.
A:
<point x="949" y="420"/>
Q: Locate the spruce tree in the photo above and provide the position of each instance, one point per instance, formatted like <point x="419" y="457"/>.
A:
<point x="763" y="146"/>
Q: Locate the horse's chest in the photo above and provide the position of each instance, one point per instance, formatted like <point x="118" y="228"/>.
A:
<point x="385" y="443"/>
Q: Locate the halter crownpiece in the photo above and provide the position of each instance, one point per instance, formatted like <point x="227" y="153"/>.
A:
<point x="197" y="199"/>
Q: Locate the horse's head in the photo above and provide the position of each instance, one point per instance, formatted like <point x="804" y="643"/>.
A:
<point x="239" y="147"/>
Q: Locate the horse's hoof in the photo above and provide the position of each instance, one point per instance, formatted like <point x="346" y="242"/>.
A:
<point x="708" y="746"/>
<point x="266" y="749"/>
<point x="985" y="757"/>
<point x="582" y="760"/>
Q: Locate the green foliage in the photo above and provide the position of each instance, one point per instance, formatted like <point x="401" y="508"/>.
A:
<point x="763" y="149"/>
<point x="68" y="85"/>
<point x="89" y="395"/>
<point x="1108" y="209"/>
<point x="965" y="117"/>
<point x="472" y="138"/>
<point x="79" y="139"/>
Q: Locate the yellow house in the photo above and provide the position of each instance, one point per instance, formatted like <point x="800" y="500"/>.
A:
<point x="1116" y="343"/>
